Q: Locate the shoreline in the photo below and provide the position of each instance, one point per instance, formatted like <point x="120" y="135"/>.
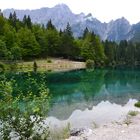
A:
<point x="52" y="65"/>
<point x="103" y="118"/>
<point x="128" y="129"/>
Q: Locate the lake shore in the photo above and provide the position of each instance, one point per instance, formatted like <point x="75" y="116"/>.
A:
<point x="128" y="129"/>
<point x="52" y="64"/>
<point x="106" y="121"/>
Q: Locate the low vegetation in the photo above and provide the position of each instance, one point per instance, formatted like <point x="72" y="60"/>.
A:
<point x="133" y="113"/>
<point x="90" y="64"/>
<point x="22" y="115"/>
<point x="2" y="67"/>
<point x="61" y="133"/>
<point x="137" y="104"/>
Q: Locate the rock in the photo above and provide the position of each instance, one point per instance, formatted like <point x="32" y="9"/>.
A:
<point x="77" y="131"/>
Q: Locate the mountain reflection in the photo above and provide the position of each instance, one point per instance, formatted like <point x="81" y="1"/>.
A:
<point x="85" y="89"/>
<point x="82" y="89"/>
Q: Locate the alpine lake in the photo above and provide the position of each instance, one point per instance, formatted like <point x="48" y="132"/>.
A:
<point x="85" y="96"/>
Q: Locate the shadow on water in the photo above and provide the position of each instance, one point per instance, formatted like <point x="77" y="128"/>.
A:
<point x="84" y="89"/>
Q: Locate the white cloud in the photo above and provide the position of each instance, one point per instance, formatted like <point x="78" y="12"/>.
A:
<point x="104" y="10"/>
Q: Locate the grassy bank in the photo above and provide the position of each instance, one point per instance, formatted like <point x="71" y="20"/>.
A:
<point x="51" y="64"/>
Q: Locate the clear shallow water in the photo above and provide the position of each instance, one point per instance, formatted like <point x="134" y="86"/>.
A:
<point x="79" y="90"/>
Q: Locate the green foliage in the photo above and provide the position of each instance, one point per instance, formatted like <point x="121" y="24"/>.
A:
<point x="133" y="113"/>
<point x="40" y="35"/>
<point x="25" y="40"/>
<point x="50" y="26"/>
<point x="2" y="67"/>
<point x="61" y="133"/>
<point x="137" y="104"/>
<point x="90" y="64"/>
<point x="92" y="48"/>
<point x="49" y="61"/>
<point x="53" y="42"/>
<point x="35" y="66"/>
<point x="27" y="22"/>
<point x="2" y="24"/>
<point x="22" y="116"/>
<point x="3" y="50"/>
<point x="67" y="47"/>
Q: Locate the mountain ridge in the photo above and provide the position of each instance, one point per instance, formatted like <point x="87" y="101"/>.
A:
<point x="61" y="14"/>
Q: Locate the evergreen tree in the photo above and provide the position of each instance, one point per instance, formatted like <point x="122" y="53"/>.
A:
<point x="86" y="31"/>
<point x="68" y="31"/>
<point x="29" y="23"/>
<point x="50" y="25"/>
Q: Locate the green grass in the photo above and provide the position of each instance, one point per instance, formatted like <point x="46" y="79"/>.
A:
<point x="50" y="64"/>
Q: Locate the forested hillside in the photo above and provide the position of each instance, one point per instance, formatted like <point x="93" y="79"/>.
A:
<point x="23" y="40"/>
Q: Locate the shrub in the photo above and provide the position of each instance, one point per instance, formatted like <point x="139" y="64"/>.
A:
<point x="61" y="133"/>
<point x="35" y="66"/>
<point x="13" y="66"/>
<point x="137" y="104"/>
<point x="133" y="113"/>
<point x="22" y="116"/>
<point x="90" y="64"/>
<point x="49" y="61"/>
<point x="2" y="67"/>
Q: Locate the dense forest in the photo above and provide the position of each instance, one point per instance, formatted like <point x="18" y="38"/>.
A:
<point x="23" y="40"/>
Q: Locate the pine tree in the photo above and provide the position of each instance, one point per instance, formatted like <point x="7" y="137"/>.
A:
<point x="14" y="19"/>
<point x="86" y="31"/>
<point x="29" y="23"/>
<point x="50" y="25"/>
<point x="68" y="30"/>
<point x="24" y="20"/>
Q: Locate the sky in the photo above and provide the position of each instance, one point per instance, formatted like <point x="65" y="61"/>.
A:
<point x="104" y="10"/>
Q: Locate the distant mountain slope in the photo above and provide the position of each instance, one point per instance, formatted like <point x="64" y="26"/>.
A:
<point x="134" y="34"/>
<point x="60" y="15"/>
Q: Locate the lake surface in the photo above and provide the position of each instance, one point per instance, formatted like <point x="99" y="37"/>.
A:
<point x="100" y="94"/>
<point x="79" y="90"/>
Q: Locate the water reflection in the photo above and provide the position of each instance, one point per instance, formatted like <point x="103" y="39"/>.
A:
<point x="81" y="89"/>
<point x="84" y="89"/>
<point x="102" y="113"/>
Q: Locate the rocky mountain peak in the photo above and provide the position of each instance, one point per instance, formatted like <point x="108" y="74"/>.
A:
<point x="61" y="14"/>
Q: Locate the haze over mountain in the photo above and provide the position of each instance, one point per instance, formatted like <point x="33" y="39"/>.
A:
<point x="60" y="15"/>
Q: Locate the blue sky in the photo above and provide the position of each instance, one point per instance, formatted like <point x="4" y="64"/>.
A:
<point x="104" y="10"/>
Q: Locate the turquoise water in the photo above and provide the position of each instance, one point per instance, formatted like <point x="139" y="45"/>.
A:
<point x="83" y="89"/>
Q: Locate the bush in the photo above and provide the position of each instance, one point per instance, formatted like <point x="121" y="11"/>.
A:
<point x="90" y="64"/>
<point x="137" y="104"/>
<point x="22" y="116"/>
<point x="61" y="133"/>
<point x="133" y="113"/>
<point x="13" y="66"/>
<point x="49" y="61"/>
<point x="35" y="66"/>
<point x="2" y="67"/>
